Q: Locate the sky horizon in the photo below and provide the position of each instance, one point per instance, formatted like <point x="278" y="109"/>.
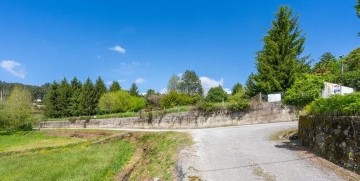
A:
<point x="146" y="42"/>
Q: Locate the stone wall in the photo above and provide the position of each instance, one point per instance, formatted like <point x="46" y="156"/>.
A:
<point x="334" y="138"/>
<point x="266" y="113"/>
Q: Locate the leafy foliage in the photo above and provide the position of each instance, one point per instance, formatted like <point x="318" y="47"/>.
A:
<point x="120" y="101"/>
<point x="279" y="62"/>
<point x="351" y="79"/>
<point x="173" y="99"/>
<point x="216" y="94"/>
<point x="174" y="83"/>
<point x="337" y="105"/>
<point x="352" y="61"/>
<point x="306" y="89"/>
<point x="239" y="101"/>
<point x="328" y="67"/>
<point x="16" y="111"/>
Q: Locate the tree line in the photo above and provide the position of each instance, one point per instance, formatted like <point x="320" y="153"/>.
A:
<point x="37" y="92"/>
<point x="74" y="98"/>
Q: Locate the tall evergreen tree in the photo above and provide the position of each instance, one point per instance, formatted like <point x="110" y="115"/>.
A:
<point x="100" y="88"/>
<point x="279" y="62"/>
<point x="51" y="101"/>
<point x="115" y="86"/>
<point x="191" y="84"/>
<point x="76" y="87"/>
<point x="64" y="99"/>
<point x="237" y="87"/>
<point x="88" y="102"/>
<point x="134" y="91"/>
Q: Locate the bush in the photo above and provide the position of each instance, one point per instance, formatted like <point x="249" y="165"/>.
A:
<point x="216" y="94"/>
<point x="16" y="112"/>
<point x="337" y="105"/>
<point x="305" y="89"/>
<point x="120" y="101"/>
<point x="238" y="101"/>
<point x="209" y="107"/>
<point x="173" y="99"/>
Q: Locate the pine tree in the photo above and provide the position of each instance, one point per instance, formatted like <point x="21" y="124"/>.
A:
<point x="76" y="87"/>
<point x="237" y="87"/>
<point x="115" y="86"/>
<point x="88" y="102"/>
<point x="100" y="88"/>
<point x="134" y="90"/>
<point x="51" y="101"/>
<point x="65" y="94"/>
<point x="191" y="84"/>
<point x="279" y="62"/>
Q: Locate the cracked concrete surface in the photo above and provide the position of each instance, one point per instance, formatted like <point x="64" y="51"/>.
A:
<point x="246" y="153"/>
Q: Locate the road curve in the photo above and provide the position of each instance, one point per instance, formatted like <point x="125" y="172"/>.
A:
<point x="247" y="153"/>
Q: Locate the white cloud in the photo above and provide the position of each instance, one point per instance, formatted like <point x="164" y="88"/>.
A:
<point x="140" y="81"/>
<point x="209" y="83"/>
<point x="118" y="49"/>
<point x="163" y="90"/>
<point x="227" y="90"/>
<point x="13" y="67"/>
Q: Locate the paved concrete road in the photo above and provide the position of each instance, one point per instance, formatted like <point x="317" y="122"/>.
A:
<point x="247" y="153"/>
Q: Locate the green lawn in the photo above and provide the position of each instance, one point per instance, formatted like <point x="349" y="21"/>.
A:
<point x="29" y="140"/>
<point x="82" y="162"/>
<point x="88" y="154"/>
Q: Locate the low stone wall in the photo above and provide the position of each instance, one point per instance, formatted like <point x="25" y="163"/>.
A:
<point x="334" y="138"/>
<point x="266" y="113"/>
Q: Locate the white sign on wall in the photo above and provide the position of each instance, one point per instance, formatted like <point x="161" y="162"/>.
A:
<point x="274" y="97"/>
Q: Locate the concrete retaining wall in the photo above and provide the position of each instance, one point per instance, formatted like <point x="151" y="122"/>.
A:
<point x="266" y="113"/>
<point x="334" y="138"/>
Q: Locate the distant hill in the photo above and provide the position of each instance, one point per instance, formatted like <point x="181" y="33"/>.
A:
<point x="37" y="92"/>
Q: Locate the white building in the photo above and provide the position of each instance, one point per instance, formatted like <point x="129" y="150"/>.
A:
<point x="333" y="89"/>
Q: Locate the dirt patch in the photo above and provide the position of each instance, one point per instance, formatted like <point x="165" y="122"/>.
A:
<point x="258" y="171"/>
<point x="286" y="134"/>
<point x="88" y="134"/>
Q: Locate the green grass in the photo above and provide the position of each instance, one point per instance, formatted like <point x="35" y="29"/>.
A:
<point x="82" y="162"/>
<point x="160" y="155"/>
<point x="20" y="141"/>
<point x="58" y="158"/>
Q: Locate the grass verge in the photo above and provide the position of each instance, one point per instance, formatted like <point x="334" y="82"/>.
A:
<point x="82" y="162"/>
<point x="159" y="155"/>
<point x="20" y="141"/>
<point x="90" y="155"/>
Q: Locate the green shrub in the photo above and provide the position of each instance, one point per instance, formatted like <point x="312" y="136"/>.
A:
<point x="238" y="101"/>
<point x="216" y="94"/>
<point x="305" y="89"/>
<point x="209" y="107"/>
<point x="337" y="105"/>
<point x="173" y="99"/>
<point x="120" y="101"/>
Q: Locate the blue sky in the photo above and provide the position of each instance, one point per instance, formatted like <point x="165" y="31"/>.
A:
<point x="148" y="41"/>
